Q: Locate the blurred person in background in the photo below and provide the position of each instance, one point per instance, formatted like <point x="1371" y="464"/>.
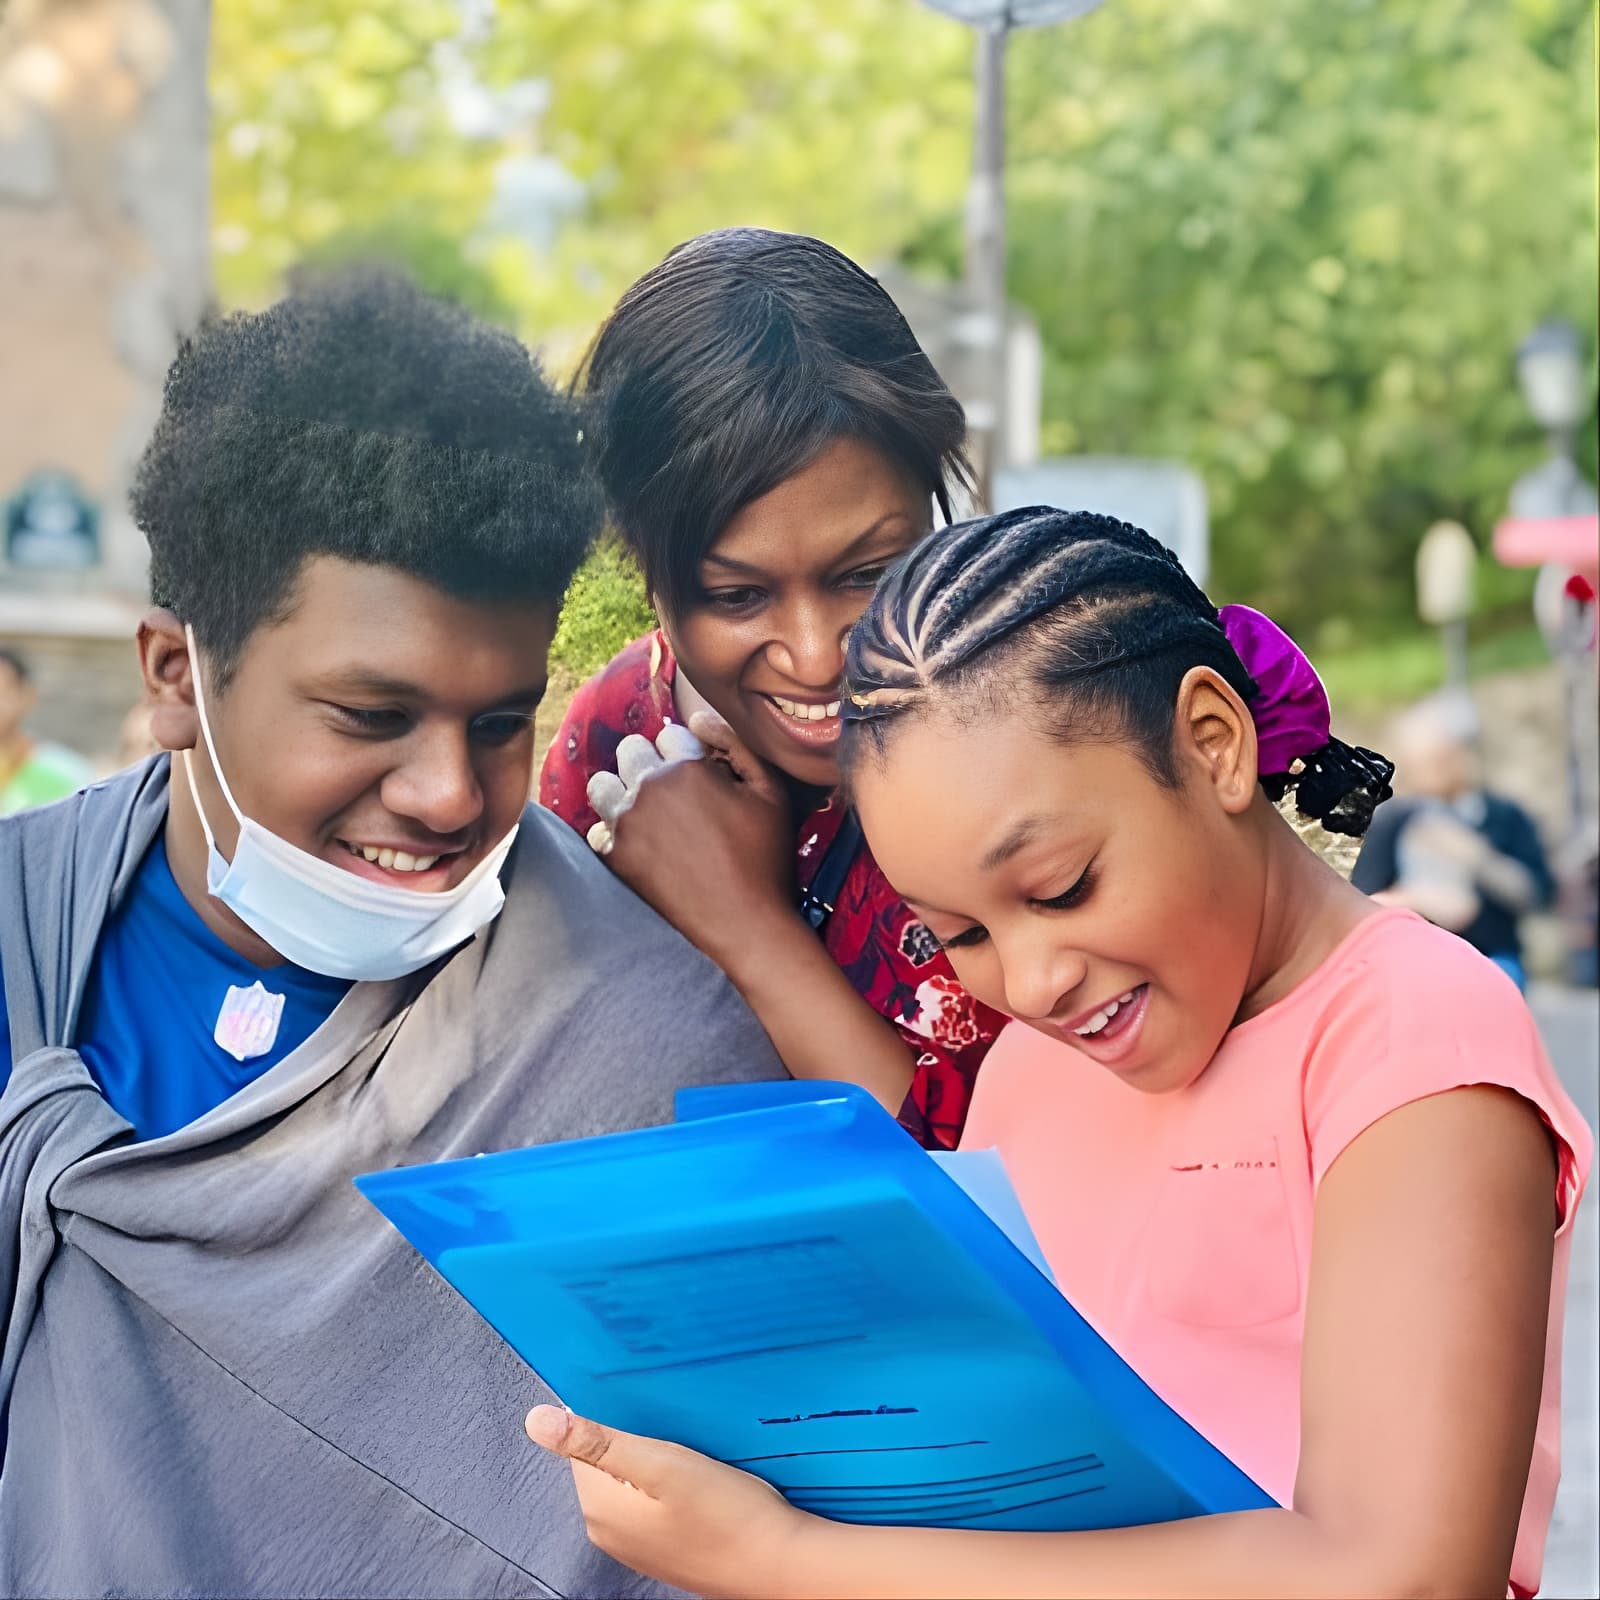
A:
<point x="1450" y="849"/>
<point x="771" y="438"/>
<point x="32" y="771"/>
<point x="136" y="738"/>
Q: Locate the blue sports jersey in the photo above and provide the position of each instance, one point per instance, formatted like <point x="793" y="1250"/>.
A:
<point x="161" y="977"/>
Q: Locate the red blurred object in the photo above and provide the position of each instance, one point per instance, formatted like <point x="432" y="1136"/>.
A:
<point x="1565" y="541"/>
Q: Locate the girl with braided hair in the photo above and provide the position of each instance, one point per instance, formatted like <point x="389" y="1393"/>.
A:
<point x="1300" y="1158"/>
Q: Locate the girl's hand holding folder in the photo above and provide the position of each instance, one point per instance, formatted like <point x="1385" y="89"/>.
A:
<point x="671" y="1512"/>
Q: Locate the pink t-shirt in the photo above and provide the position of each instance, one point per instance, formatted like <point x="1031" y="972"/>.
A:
<point x="1180" y="1224"/>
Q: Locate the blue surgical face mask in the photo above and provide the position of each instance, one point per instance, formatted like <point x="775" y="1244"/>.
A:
<point x="324" y="918"/>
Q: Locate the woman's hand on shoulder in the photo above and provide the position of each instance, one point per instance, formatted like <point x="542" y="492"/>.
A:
<point x="700" y="830"/>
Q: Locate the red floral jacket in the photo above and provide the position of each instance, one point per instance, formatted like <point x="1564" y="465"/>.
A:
<point x="887" y="953"/>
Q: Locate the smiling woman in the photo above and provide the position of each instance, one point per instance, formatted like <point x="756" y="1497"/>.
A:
<point x="771" y="439"/>
<point x="775" y="595"/>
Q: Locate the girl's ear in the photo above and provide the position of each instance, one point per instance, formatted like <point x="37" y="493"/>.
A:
<point x="1216" y="733"/>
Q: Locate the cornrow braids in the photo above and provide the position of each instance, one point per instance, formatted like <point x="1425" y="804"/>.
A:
<point x="965" y="589"/>
<point x="1047" y="605"/>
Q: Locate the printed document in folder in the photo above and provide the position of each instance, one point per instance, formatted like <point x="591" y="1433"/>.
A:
<point x="785" y="1281"/>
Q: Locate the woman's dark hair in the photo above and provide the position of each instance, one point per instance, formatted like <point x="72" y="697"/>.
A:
<point x="1087" y="622"/>
<point x="358" y="418"/>
<point x="729" y="368"/>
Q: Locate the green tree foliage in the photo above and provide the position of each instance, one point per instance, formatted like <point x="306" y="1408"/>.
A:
<point x="327" y="120"/>
<point x="605" y="608"/>
<point x="430" y="256"/>
<point x="1293" y="244"/>
<point x="848" y="119"/>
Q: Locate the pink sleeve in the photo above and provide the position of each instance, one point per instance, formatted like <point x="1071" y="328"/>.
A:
<point x="999" y="1089"/>
<point x="1425" y="1013"/>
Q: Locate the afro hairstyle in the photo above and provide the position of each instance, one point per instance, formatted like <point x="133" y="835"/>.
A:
<point x="362" y="419"/>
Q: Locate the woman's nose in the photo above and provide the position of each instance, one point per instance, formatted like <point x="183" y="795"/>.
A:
<point x="809" y="649"/>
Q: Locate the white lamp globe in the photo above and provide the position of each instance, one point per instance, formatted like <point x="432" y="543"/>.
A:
<point x="1550" y="368"/>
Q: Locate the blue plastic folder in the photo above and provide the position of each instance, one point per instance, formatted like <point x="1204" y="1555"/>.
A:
<point x="784" y="1280"/>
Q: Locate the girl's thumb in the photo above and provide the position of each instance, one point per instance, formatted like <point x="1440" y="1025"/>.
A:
<point x="579" y="1439"/>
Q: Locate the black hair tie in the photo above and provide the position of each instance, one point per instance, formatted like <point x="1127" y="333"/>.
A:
<point x="1340" y="786"/>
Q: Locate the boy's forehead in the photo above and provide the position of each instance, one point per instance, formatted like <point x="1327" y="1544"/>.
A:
<point x="387" y="631"/>
<point x="357" y="594"/>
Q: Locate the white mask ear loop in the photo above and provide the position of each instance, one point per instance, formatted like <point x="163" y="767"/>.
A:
<point x="211" y="749"/>
<point x="188" y="768"/>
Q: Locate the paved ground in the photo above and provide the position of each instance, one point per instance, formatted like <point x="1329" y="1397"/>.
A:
<point x="1570" y="1022"/>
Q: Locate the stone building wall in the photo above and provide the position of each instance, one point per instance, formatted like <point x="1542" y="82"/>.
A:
<point x="87" y="686"/>
<point x="104" y="264"/>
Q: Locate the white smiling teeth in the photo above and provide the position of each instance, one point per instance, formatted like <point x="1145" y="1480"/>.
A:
<point x="805" y="713"/>
<point x="392" y="860"/>
<point x="1102" y="1017"/>
<point x="1098" y="1021"/>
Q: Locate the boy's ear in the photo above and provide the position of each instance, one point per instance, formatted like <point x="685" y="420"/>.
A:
<point x="168" y="680"/>
<point x="1215" y="730"/>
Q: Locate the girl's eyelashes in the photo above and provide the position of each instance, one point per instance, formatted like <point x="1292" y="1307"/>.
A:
<point x="1071" y="897"/>
<point x="1065" y="901"/>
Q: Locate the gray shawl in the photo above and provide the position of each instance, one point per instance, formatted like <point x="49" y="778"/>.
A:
<point x="226" y="1374"/>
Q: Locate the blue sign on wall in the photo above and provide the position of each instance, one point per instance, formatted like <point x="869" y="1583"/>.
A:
<point x="50" y="524"/>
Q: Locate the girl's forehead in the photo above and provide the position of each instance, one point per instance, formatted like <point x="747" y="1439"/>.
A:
<point x="939" y="779"/>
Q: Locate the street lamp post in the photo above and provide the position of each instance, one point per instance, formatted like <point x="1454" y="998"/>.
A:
<point x="1447" y="562"/>
<point x="1554" y="519"/>
<point x="1550" y="369"/>
<point x="985" y="324"/>
<point x="986" y="248"/>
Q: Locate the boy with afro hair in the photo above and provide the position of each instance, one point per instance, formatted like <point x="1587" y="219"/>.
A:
<point x="321" y="933"/>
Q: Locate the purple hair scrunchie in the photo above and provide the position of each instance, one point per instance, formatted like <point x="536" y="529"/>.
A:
<point x="1291" y="711"/>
